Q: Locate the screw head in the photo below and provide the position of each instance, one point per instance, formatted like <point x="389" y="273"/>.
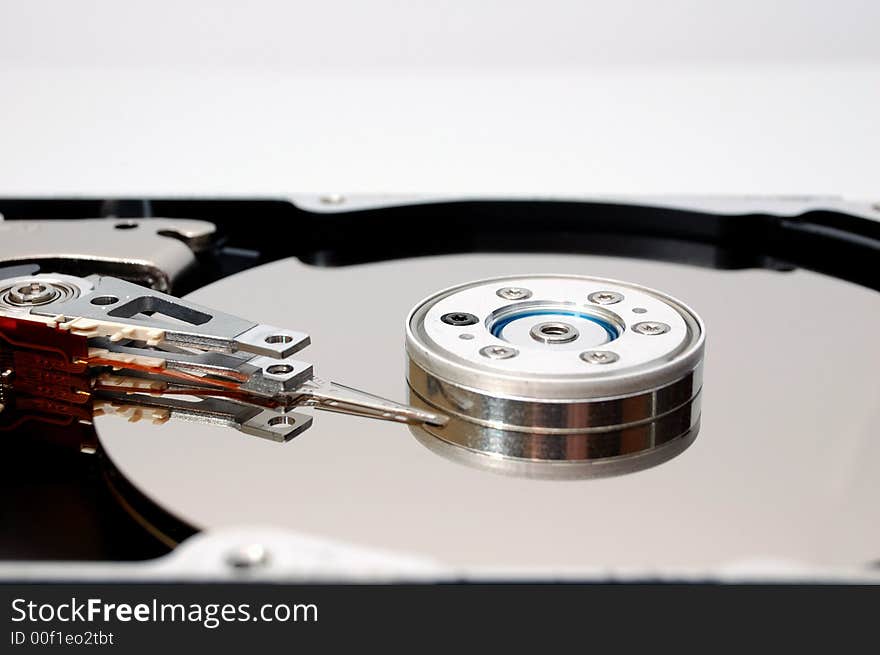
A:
<point x="332" y="199"/>
<point x="248" y="556"/>
<point x="599" y="357"/>
<point x="459" y="318"/>
<point x="513" y="293"/>
<point x="605" y="297"/>
<point x="499" y="352"/>
<point x="651" y="328"/>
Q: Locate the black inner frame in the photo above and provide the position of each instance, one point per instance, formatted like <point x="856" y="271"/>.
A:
<point x="253" y="232"/>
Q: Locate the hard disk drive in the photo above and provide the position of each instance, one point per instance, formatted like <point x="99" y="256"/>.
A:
<point x="429" y="388"/>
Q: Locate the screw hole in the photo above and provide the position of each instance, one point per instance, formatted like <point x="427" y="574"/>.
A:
<point x="279" y="338"/>
<point x="129" y="225"/>
<point x="104" y="300"/>
<point x="279" y="369"/>
<point x="281" y="420"/>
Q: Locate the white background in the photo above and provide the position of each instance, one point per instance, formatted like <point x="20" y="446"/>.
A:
<point x="520" y="97"/>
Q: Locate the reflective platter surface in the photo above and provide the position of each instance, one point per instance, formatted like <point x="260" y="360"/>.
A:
<point x="784" y="468"/>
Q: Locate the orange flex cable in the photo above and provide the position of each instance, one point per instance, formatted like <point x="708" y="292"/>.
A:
<point x="198" y="393"/>
<point x="158" y="370"/>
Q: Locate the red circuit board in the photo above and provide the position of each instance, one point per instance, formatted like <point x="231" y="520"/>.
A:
<point x="47" y="381"/>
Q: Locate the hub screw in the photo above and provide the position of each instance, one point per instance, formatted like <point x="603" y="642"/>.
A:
<point x="514" y="293"/>
<point x="651" y="328"/>
<point x="599" y="357"/>
<point x="605" y="297"/>
<point x="459" y="318"/>
<point x="498" y="352"/>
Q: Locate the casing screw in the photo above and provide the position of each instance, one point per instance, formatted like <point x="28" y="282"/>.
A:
<point x="332" y="199"/>
<point x="651" y="328"/>
<point x="605" y="297"/>
<point x="513" y="293"/>
<point x="498" y="352"/>
<point x="248" y="556"/>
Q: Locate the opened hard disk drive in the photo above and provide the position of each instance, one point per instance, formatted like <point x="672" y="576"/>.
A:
<point x="440" y="388"/>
